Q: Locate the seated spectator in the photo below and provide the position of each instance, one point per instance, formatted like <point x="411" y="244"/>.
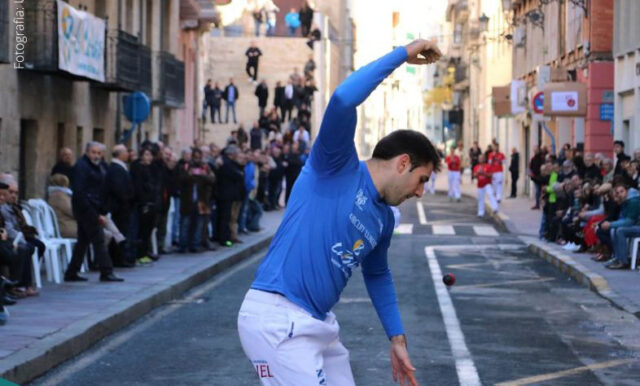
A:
<point x="627" y="224"/>
<point x="60" y="201"/>
<point x="606" y="170"/>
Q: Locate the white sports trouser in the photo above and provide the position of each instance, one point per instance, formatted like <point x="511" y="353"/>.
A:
<point x="488" y="191"/>
<point x="287" y="346"/>
<point x="496" y="181"/>
<point x="454" y="184"/>
<point x="431" y="184"/>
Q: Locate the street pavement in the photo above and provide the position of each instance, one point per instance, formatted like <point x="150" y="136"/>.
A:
<point x="511" y="318"/>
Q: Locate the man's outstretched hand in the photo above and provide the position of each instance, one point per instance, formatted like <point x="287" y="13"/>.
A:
<point x="423" y="52"/>
<point x="403" y="370"/>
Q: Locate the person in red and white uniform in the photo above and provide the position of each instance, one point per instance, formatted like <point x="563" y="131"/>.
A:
<point x="483" y="175"/>
<point x="453" y="164"/>
<point x="496" y="160"/>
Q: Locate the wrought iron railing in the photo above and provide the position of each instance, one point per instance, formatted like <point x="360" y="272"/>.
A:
<point x="4" y="32"/>
<point x="171" y="78"/>
<point x="41" y="28"/>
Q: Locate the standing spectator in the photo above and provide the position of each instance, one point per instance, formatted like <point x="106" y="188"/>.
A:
<point x="619" y="156"/>
<point x="253" y="55"/>
<point x="167" y="190"/>
<point x="276" y="174"/>
<point x="271" y="11"/>
<point x="249" y="186"/>
<point x="258" y="18"/>
<point x="298" y="94"/>
<point x="255" y="136"/>
<point x="306" y="17"/>
<point x="231" y="178"/>
<point x="314" y="36"/>
<point x="262" y="92"/>
<point x="295" y="76"/>
<point x="208" y="101"/>
<point x="514" y="169"/>
<point x="241" y="136"/>
<point x="301" y="135"/>
<point x="65" y="164"/>
<point x="231" y="95"/>
<point x="145" y="204"/>
<point x="534" y="172"/>
<point x="309" y="68"/>
<point x="216" y="102"/>
<point x="236" y="206"/>
<point x="278" y="98"/>
<point x="454" y="164"/>
<point x="288" y="100"/>
<point x="292" y="20"/>
<point x="196" y="185"/>
<point x="60" y="201"/>
<point x="119" y="196"/>
<point x="293" y="166"/>
<point x="88" y="188"/>
<point x="309" y="89"/>
<point x="474" y="153"/>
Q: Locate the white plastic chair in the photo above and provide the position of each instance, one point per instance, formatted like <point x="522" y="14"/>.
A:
<point x="34" y="257"/>
<point x="634" y="251"/>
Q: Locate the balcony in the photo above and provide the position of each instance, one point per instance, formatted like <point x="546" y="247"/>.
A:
<point x="41" y="27"/>
<point x="170" y="91"/>
<point x="4" y="32"/>
<point x="128" y="66"/>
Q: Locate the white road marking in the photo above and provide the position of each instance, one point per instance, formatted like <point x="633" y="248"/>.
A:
<point x="421" y="215"/>
<point x="404" y="229"/>
<point x="443" y="230"/>
<point x="466" y="369"/>
<point x="485" y="230"/>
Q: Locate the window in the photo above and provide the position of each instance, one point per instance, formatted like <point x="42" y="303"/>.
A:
<point x="98" y="135"/>
<point x="79" y="141"/>
<point x="27" y="158"/>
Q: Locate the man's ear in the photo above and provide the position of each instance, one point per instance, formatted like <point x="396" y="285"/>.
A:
<point x="403" y="163"/>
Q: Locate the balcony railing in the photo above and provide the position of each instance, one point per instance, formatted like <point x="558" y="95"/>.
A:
<point x="4" y="32"/>
<point x="41" y="28"/>
<point x="128" y="64"/>
<point x="171" y="80"/>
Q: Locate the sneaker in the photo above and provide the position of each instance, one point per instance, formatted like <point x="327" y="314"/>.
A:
<point x="146" y="260"/>
<point x="568" y="246"/>
<point x="228" y="243"/>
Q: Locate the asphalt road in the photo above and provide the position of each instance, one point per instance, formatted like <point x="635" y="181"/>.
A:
<point x="510" y="319"/>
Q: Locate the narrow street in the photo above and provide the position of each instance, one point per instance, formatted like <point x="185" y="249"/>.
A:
<point x="510" y="319"/>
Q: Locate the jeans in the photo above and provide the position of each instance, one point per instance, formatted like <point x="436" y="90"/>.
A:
<point x="231" y="105"/>
<point x="257" y="24"/>
<point x="254" y="214"/>
<point x="214" y="110"/>
<point x="244" y="211"/>
<point x="271" y="28"/>
<point x="621" y="242"/>
<point x="538" y="193"/>
<point x="292" y="31"/>
<point x="191" y="230"/>
<point x="175" y="223"/>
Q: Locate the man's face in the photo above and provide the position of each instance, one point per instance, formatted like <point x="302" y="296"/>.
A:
<point x="620" y="194"/>
<point x="197" y="157"/>
<point x="408" y="183"/>
<point x="147" y="157"/>
<point x="67" y="157"/>
<point x="166" y="155"/>
<point x="94" y="154"/>
<point x="617" y="148"/>
<point x="588" y="161"/>
<point x="13" y="194"/>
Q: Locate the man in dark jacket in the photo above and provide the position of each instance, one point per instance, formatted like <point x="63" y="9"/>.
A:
<point x="65" y="164"/>
<point x="618" y="150"/>
<point x="262" y="92"/>
<point x="306" y="17"/>
<point x="278" y="99"/>
<point x="275" y="178"/>
<point x="591" y="171"/>
<point x="216" y="101"/>
<point x="87" y="203"/>
<point x="231" y="95"/>
<point x="196" y="185"/>
<point x="253" y="55"/>
<point x="208" y="101"/>
<point x="119" y="196"/>
<point x="514" y="169"/>
<point x="255" y="136"/>
<point x="293" y="166"/>
<point x="230" y="186"/>
<point x="534" y="172"/>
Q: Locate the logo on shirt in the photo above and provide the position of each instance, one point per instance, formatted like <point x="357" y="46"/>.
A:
<point x="321" y="378"/>
<point x="358" y="246"/>
<point x="262" y="369"/>
<point x="355" y="221"/>
<point x="361" y="199"/>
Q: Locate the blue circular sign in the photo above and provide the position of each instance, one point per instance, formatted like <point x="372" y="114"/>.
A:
<point x="137" y="107"/>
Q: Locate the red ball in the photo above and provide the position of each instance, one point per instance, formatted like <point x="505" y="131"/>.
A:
<point x="449" y="279"/>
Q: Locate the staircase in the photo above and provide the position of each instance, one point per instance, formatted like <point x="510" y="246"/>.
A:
<point x="223" y="58"/>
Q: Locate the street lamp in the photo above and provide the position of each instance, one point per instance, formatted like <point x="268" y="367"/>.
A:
<point x="483" y="23"/>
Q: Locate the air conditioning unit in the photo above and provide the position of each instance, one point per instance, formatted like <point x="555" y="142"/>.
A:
<point x="520" y="36"/>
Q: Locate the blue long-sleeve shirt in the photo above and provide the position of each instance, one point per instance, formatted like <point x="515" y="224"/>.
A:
<point x="335" y="219"/>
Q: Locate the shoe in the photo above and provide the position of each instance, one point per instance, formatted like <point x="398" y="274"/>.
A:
<point x="535" y="207"/>
<point x="32" y="291"/>
<point x="243" y="232"/>
<point x="18" y="292"/>
<point x="74" y="277"/>
<point x="601" y="258"/>
<point x="227" y="244"/>
<point x="145" y="260"/>
<point x="8" y="300"/>
<point x="194" y="250"/>
<point x="6" y="283"/>
<point x="237" y="241"/>
<point x="574" y="248"/>
<point x="618" y="265"/>
<point x="110" y="278"/>
<point x="154" y="257"/>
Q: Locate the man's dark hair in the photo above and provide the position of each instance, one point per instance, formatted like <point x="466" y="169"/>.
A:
<point x="621" y="180"/>
<point x="415" y="144"/>
<point x="618" y="142"/>
<point x="196" y="150"/>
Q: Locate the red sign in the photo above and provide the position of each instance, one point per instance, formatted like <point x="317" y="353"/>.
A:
<point x="538" y="103"/>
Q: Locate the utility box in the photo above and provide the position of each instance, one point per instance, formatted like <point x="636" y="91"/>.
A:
<point x="565" y="99"/>
<point x="501" y="100"/>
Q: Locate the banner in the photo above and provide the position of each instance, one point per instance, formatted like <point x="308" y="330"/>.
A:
<point x="518" y="96"/>
<point x="80" y="42"/>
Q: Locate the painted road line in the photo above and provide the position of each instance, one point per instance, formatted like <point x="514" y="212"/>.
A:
<point x="510" y="282"/>
<point x="443" y="230"/>
<point x="421" y="215"/>
<point x="465" y="368"/>
<point x="404" y="229"/>
<point x="485" y="230"/>
<point x="566" y="373"/>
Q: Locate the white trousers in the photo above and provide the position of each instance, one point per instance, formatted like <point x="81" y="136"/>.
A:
<point x="496" y="181"/>
<point x="454" y="184"/>
<point x="431" y="184"/>
<point x="287" y="346"/>
<point x="488" y="191"/>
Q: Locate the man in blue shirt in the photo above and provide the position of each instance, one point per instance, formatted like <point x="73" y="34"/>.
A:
<point x="231" y="95"/>
<point x="337" y="218"/>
